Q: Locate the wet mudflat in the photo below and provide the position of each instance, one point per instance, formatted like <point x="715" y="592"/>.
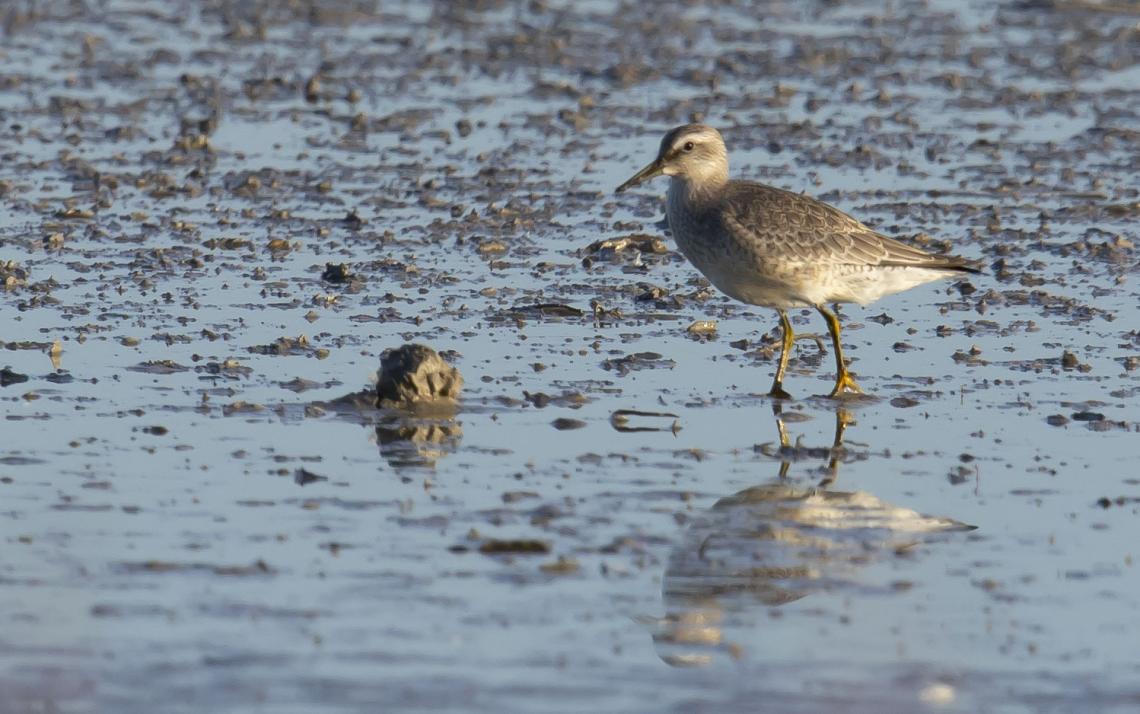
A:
<point x="216" y="219"/>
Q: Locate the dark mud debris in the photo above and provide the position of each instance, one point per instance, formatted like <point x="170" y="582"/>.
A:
<point x="541" y="400"/>
<point x="630" y="421"/>
<point x="9" y="377"/>
<point x="493" y="546"/>
<point x="638" y="361"/>
<point x="567" y="424"/>
<point x="12" y="276"/>
<point x="289" y="346"/>
<point x="304" y="477"/>
<point x="340" y="274"/>
<point x="259" y="567"/>
<point x="547" y="310"/>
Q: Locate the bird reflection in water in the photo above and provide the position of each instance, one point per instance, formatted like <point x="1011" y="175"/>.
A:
<point x="776" y="543"/>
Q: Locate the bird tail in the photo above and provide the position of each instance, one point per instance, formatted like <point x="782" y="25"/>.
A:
<point x="961" y="265"/>
<point x="950" y="263"/>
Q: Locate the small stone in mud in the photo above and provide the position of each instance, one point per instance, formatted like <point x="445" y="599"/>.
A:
<point x="958" y="475"/>
<point x="300" y="385"/>
<point x="702" y="327"/>
<point x="491" y="247"/>
<point x="561" y="566"/>
<point x="284" y="346"/>
<point x="12" y="275"/>
<point x="156" y="430"/>
<point x="1088" y="416"/>
<point x="1056" y="420"/>
<point x="415" y="373"/>
<point x="336" y="273"/>
<point x="352" y="220"/>
<point x="313" y="89"/>
<point x="547" y="309"/>
<point x="566" y="424"/>
<point x="611" y="248"/>
<point x="7" y="376"/>
<point x="538" y="399"/>
<point x="639" y="360"/>
<point x="241" y="407"/>
<point x="652" y="293"/>
<point x="512" y="496"/>
<point x="228" y="243"/>
<point x="493" y="546"/>
<point x="304" y="477"/>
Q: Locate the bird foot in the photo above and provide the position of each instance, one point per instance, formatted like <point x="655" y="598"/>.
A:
<point x="845" y="384"/>
<point x="777" y="392"/>
<point x="817" y="339"/>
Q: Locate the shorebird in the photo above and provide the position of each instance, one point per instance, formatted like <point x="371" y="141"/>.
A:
<point x="766" y="246"/>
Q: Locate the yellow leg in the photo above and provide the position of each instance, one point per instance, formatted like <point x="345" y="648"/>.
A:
<point x="789" y="339"/>
<point x="844" y="382"/>
<point x="843" y="419"/>
<point x="785" y="442"/>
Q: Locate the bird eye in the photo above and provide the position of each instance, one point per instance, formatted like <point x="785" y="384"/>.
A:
<point x="688" y="146"/>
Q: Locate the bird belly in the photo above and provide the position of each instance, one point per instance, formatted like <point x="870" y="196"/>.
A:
<point x="789" y="285"/>
<point x="758" y="289"/>
<point x="742" y="277"/>
<point x="864" y="284"/>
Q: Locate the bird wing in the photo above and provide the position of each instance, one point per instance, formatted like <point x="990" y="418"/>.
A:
<point x="800" y="228"/>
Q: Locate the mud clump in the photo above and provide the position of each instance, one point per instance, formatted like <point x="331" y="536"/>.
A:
<point x="527" y="546"/>
<point x="415" y="374"/>
<point x="12" y="276"/>
<point x="7" y="377"/>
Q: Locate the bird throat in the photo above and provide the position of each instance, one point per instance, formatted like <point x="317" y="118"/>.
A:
<point x="693" y="195"/>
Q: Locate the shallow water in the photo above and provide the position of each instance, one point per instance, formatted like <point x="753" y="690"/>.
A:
<point x="191" y="525"/>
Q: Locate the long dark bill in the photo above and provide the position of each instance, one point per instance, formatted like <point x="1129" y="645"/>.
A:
<point x="651" y="171"/>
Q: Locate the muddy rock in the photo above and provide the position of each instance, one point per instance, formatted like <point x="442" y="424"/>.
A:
<point x="413" y="374"/>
